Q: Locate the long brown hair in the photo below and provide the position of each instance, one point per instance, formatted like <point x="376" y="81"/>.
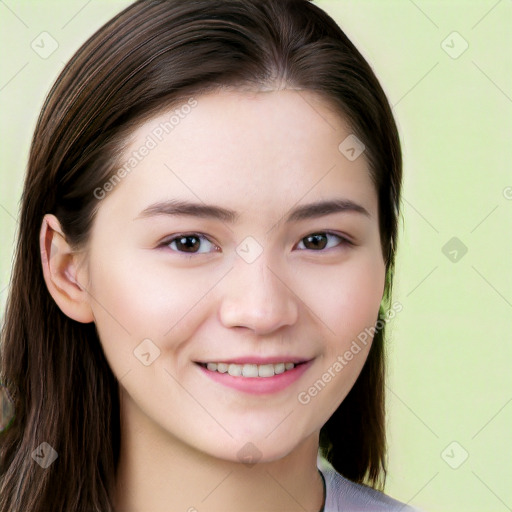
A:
<point x="154" y="54"/>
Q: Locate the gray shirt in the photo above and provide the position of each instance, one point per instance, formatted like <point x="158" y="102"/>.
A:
<point x="343" y="495"/>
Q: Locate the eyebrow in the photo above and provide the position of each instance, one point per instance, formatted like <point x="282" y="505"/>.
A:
<point x="309" y="211"/>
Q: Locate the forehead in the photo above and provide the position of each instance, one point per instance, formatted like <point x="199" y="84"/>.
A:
<point x="268" y="148"/>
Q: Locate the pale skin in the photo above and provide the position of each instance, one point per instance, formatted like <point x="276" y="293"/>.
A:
<point x="261" y="154"/>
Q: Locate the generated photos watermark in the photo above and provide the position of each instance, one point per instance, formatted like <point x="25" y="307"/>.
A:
<point x="363" y="338"/>
<point x="156" y="136"/>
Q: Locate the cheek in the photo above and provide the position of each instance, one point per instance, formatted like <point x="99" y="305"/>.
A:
<point x="348" y="305"/>
<point x="133" y="301"/>
<point x="345" y="297"/>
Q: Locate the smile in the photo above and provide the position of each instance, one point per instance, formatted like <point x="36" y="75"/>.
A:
<point x="252" y="378"/>
<point x="249" y="370"/>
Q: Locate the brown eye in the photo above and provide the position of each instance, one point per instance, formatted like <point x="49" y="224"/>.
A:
<point x="315" y="242"/>
<point x="189" y="244"/>
<point x="319" y="241"/>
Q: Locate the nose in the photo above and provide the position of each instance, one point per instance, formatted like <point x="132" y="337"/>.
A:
<point x="258" y="298"/>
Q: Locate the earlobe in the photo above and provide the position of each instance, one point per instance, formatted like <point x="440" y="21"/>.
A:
<point x="60" y="269"/>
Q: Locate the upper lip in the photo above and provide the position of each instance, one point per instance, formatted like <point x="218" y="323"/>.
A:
<point x="258" y="360"/>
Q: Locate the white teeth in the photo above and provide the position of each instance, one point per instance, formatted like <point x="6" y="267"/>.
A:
<point x="222" y="367"/>
<point x="250" y="370"/>
<point x="235" y="370"/>
<point x="266" y="370"/>
<point x="280" y="368"/>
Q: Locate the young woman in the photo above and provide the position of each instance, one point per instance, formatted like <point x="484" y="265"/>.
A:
<point x="203" y="271"/>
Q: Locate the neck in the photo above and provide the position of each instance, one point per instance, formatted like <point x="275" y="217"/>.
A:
<point x="157" y="472"/>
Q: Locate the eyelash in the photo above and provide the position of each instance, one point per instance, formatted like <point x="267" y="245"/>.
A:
<point x="343" y="242"/>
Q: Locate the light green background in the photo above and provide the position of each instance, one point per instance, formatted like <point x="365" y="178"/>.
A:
<point x="450" y="348"/>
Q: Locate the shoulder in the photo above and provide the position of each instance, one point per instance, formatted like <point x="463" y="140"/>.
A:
<point x="343" y="494"/>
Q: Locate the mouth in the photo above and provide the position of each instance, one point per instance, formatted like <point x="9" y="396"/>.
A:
<point x="255" y="376"/>
<point x="251" y="370"/>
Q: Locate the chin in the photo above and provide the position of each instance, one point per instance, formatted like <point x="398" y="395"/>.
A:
<point x="254" y="450"/>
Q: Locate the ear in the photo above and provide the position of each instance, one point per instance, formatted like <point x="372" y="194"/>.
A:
<point x="60" y="270"/>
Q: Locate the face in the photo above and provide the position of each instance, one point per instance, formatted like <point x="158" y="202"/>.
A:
<point x="264" y="286"/>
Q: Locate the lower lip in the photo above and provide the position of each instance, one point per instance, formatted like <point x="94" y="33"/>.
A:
<point x="259" y="385"/>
